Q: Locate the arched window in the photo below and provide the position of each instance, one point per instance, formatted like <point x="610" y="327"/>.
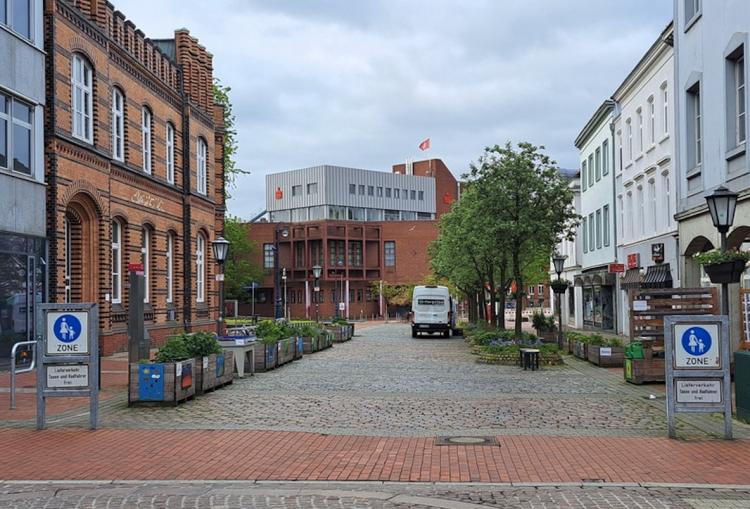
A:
<point x="146" y="254"/>
<point x="117" y="245"/>
<point x="146" y="139"/>
<point x="202" y="155"/>
<point x="170" y="266"/>
<point x="83" y="104"/>
<point x="170" y="153"/>
<point x="200" y="268"/>
<point x="118" y="125"/>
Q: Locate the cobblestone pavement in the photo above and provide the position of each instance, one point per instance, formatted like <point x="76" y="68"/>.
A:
<point x="384" y="383"/>
<point x="369" y="495"/>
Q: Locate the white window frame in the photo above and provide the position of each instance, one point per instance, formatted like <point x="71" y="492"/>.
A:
<point x="605" y="226"/>
<point x="8" y="20"/>
<point x="641" y="211"/>
<point x="629" y="124"/>
<point x="697" y="127"/>
<point x="665" y="108"/>
<point x="652" y="204"/>
<point x="170" y="153"/>
<point x="652" y="119"/>
<point x="117" y="231"/>
<point x="146" y="139"/>
<point x="201" y="155"/>
<point x="738" y="69"/>
<point x="170" y="266"/>
<point x="118" y="125"/>
<point x="82" y="91"/>
<point x="146" y="258"/>
<point x="667" y="191"/>
<point x="639" y="112"/>
<point x="200" y="268"/>
<point x="12" y="121"/>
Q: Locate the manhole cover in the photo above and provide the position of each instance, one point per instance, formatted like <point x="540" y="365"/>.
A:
<point x="461" y="440"/>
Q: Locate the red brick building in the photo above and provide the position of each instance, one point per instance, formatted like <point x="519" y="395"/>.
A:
<point x="314" y="221"/>
<point x="134" y="169"/>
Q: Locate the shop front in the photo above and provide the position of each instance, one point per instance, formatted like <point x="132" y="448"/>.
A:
<point x="598" y="295"/>
<point x="22" y="286"/>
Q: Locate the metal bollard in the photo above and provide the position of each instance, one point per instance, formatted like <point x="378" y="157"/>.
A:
<point x="13" y="371"/>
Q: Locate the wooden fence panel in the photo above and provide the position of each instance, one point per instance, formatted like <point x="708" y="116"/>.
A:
<point x="654" y="304"/>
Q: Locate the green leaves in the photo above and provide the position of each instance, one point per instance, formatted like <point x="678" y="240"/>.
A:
<point x="715" y="256"/>
<point x="239" y="269"/>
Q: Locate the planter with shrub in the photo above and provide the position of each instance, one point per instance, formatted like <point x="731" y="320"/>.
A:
<point x="278" y="343"/>
<point x="342" y="330"/>
<point x="502" y="346"/>
<point x="545" y="326"/>
<point x="723" y="267"/>
<point x="168" y="379"/>
<point x="607" y="353"/>
<point x="210" y="361"/>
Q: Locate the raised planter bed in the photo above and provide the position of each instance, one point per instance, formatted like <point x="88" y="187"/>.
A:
<point x="511" y="358"/>
<point x="580" y="350"/>
<point x="641" y="371"/>
<point x="606" y="356"/>
<point x="213" y="371"/>
<point x="299" y="349"/>
<point x="286" y="350"/>
<point x="266" y="357"/>
<point x="169" y="382"/>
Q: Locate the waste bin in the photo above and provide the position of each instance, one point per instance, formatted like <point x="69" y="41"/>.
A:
<point x="634" y="350"/>
<point x="742" y="384"/>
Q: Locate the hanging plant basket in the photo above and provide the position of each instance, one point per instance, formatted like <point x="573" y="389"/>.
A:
<point x="726" y="272"/>
<point x="559" y="286"/>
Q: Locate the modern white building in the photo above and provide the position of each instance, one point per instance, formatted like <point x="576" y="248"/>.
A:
<point x="711" y="43"/>
<point x="644" y="175"/>
<point x="596" y="284"/>
<point x="572" y="251"/>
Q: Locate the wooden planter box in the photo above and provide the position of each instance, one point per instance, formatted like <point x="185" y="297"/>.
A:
<point x="613" y="360"/>
<point x="266" y="356"/>
<point x="512" y="358"/>
<point x="286" y="349"/>
<point x="580" y="350"/>
<point x="339" y="334"/>
<point x="299" y="349"/>
<point x="310" y="344"/>
<point x="640" y="371"/>
<point x="213" y="371"/>
<point x="325" y="341"/>
<point x="572" y="346"/>
<point x="548" y="336"/>
<point x="169" y="382"/>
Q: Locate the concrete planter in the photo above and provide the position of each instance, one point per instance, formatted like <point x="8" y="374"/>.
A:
<point x="606" y="357"/>
<point x="169" y="382"/>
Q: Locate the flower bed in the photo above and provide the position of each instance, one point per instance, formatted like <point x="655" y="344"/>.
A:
<point x="604" y="352"/>
<point x="502" y="347"/>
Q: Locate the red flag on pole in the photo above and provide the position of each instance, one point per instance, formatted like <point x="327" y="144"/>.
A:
<point x="424" y="145"/>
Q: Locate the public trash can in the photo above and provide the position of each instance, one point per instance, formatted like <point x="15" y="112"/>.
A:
<point x="742" y="384"/>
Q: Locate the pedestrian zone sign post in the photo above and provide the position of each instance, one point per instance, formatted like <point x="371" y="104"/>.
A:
<point x="697" y="362"/>
<point x="69" y="354"/>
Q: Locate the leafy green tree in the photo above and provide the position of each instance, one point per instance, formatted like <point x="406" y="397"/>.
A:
<point x="239" y="269"/>
<point x="231" y="171"/>
<point x="396" y="295"/>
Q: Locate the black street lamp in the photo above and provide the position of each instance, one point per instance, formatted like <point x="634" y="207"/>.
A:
<point x="220" y="248"/>
<point x="722" y="205"/>
<point x="317" y="270"/>
<point x="559" y="288"/>
<point x="278" y="311"/>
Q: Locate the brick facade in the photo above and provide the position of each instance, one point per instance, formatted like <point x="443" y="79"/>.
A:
<point x="88" y="188"/>
<point x="412" y="265"/>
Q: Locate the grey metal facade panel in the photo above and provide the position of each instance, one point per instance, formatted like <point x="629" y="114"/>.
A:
<point x="23" y="67"/>
<point x="333" y="189"/>
<point x="23" y="206"/>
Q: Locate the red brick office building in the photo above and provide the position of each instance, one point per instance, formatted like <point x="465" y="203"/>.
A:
<point x="134" y="169"/>
<point x="357" y="226"/>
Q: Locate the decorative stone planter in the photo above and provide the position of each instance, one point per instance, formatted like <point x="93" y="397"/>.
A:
<point x="169" y="382"/>
<point x="728" y="272"/>
<point x="606" y="356"/>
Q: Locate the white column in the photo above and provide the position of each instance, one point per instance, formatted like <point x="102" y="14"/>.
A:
<point x="346" y="298"/>
<point x="307" y="300"/>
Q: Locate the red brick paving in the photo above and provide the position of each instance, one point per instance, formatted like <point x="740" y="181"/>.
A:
<point x="267" y="455"/>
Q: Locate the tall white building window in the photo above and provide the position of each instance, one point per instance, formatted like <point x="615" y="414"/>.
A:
<point x="605" y="220"/>
<point x="621" y="221"/>
<point x="146" y="139"/>
<point x="200" y="268"/>
<point x="170" y="153"/>
<point x="667" y="191"/>
<point x="83" y="104"/>
<point x="170" y="267"/>
<point x="201" y="181"/>
<point x="118" y="125"/>
<point x="619" y="149"/>
<point x="585" y="228"/>
<point x="640" y="130"/>
<point x="653" y="217"/>
<point x="146" y="260"/>
<point x="630" y="233"/>
<point x="651" y="120"/>
<point x="630" y="139"/>
<point x="17" y="15"/>
<point x="116" y="262"/>
<point x="16" y="128"/>
<point x="665" y="108"/>
<point x="738" y="75"/>
<point x="695" y="134"/>
<point x="641" y="212"/>
<point x="605" y="157"/>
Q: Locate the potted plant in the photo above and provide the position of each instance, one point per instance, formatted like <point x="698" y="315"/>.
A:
<point x="545" y="326"/>
<point x="723" y="267"/>
<point x="269" y="334"/>
<point x="560" y="286"/>
<point x="210" y="360"/>
<point x="310" y="336"/>
<point x="608" y="353"/>
<point x="169" y="378"/>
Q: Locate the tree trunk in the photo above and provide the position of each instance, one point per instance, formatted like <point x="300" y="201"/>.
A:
<point x="501" y="299"/>
<point x="518" y="277"/>
<point x="482" y="306"/>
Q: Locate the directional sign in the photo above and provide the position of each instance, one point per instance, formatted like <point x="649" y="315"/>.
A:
<point x="67" y="333"/>
<point x="697" y="346"/>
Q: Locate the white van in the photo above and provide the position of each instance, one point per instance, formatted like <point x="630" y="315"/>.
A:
<point x="433" y="310"/>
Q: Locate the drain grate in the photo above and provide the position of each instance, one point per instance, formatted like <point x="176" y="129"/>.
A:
<point x="466" y="440"/>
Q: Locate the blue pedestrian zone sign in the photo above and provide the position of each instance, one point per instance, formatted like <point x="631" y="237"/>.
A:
<point x="67" y="333"/>
<point x="697" y="346"/>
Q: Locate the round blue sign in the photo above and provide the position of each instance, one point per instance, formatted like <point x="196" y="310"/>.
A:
<point x="696" y="341"/>
<point x="67" y="328"/>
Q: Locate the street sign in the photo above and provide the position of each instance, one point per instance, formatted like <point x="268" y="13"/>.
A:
<point x="67" y="333"/>
<point x="697" y="367"/>
<point x="616" y="268"/>
<point x="68" y="355"/>
<point x="342" y="306"/>
<point x="634" y="260"/>
<point x="697" y="347"/>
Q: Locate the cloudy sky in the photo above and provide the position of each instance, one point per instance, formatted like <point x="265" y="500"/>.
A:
<point x="361" y="82"/>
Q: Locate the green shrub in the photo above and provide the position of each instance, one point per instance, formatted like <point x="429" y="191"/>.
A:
<point x="174" y="350"/>
<point x="201" y="344"/>
<point x="717" y="256"/>
<point x="539" y="321"/>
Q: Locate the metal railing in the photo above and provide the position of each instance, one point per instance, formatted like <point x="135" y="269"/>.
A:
<point x="13" y="371"/>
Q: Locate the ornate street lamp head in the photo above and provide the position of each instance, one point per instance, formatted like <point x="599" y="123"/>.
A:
<point x="559" y="261"/>
<point x="722" y="204"/>
<point x="220" y="248"/>
<point x="317" y="271"/>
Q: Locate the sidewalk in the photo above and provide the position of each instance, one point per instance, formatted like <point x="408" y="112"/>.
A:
<point x="70" y="454"/>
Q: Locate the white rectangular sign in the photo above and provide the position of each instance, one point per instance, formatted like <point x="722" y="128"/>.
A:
<point x="67" y="333"/>
<point x="67" y="376"/>
<point x="696" y="346"/>
<point x="698" y="391"/>
<point x="605" y="351"/>
<point x="640" y="305"/>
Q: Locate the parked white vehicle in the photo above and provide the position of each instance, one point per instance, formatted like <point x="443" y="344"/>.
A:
<point x="433" y="310"/>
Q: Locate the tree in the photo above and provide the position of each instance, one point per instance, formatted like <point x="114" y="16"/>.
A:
<point x="239" y="269"/>
<point x="530" y="202"/>
<point x="231" y="171"/>
<point x="398" y="295"/>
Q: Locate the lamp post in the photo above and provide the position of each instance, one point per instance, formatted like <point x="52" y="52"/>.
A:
<point x="220" y="249"/>
<point x="317" y="270"/>
<point x="722" y="204"/>
<point x="559" y="262"/>
<point x="277" y="309"/>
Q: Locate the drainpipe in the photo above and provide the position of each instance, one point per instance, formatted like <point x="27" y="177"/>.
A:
<point x="616" y="297"/>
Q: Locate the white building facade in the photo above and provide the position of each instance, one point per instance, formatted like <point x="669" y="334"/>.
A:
<point x="596" y="294"/>
<point x="711" y="43"/>
<point x="645" y="194"/>
<point x="571" y="249"/>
